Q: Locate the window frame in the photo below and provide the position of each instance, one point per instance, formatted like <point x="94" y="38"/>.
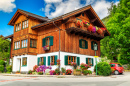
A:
<point x="24" y="44"/>
<point x="90" y="59"/>
<point x="25" y="23"/>
<point x="34" y="43"/>
<point x="85" y="44"/>
<point x="53" y="60"/>
<point x="23" y="61"/>
<point x="92" y="45"/>
<point x="16" y="45"/>
<point x="71" y="59"/>
<point x="18" y="25"/>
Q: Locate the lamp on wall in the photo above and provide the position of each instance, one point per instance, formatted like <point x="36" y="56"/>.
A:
<point x="95" y="48"/>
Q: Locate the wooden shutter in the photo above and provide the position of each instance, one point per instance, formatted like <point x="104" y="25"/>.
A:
<point x="92" y="45"/>
<point x="86" y="60"/>
<point x="92" y="62"/>
<point x="43" y="42"/>
<point x="86" y="44"/>
<point x="48" y="60"/>
<point x="66" y="60"/>
<point x="38" y="60"/>
<point x="78" y="61"/>
<point x="55" y="59"/>
<point x="44" y="59"/>
<point x="80" y="43"/>
<point x="51" y="40"/>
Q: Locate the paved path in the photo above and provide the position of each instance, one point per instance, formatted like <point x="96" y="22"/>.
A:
<point x="115" y="80"/>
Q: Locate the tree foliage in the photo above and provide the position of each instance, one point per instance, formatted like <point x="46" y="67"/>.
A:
<point x="4" y="49"/>
<point x="118" y="24"/>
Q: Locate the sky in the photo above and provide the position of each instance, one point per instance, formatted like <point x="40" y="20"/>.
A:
<point x="49" y="8"/>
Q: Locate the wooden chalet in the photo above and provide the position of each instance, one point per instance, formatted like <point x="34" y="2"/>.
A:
<point x="69" y="37"/>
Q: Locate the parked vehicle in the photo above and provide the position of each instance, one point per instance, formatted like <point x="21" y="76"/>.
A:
<point x="117" y="68"/>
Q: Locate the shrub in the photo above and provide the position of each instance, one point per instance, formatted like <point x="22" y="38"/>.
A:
<point x="9" y="68"/>
<point x="63" y="70"/>
<point x="85" y="72"/>
<point x="40" y="73"/>
<point x="103" y="68"/>
<point x="1" y="68"/>
<point x="52" y="72"/>
<point x="2" y="62"/>
<point x="30" y="72"/>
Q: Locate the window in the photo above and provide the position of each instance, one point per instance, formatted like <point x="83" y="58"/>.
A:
<point x="89" y="61"/>
<point x="52" y="60"/>
<point x="17" y="45"/>
<point x="119" y="65"/>
<point x="69" y="59"/>
<point x="25" y="24"/>
<point x="41" y="61"/>
<point x="92" y="45"/>
<point x="24" y="43"/>
<point x="83" y="44"/>
<point x="18" y="27"/>
<point x="112" y="65"/>
<point x="24" y="61"/>
<point x="47" y="41"/>
<point x="33" y="43"/>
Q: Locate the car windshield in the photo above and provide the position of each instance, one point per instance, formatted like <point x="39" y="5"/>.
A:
<point x="119" y="65"/>
<point x="112" y="65"/>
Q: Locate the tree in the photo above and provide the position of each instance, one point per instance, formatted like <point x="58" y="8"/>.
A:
<point x="4" y="49"/>
<point x="117" y="45"/>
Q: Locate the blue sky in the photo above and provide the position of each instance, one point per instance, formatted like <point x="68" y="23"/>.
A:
<point x="50" y="8"/>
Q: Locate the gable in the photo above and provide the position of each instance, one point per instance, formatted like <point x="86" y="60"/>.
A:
<point x="20" y="19"/>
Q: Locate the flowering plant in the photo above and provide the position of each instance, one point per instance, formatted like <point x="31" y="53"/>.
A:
<point x="74" y="64"/>
<point x="52" y="72"/>
<point x="42" y="68"/>
<point x="68" y="71"/>
<point x="52" y="63"/>
<point x="57" y="71"/>
<point x="84" y="66"/>
<point x="35" y="67"/>
<point x="46" y="47"/>
<point x="58" y="61"/>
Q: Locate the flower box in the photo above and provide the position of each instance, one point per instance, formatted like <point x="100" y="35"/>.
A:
<point x="46" y="47"/>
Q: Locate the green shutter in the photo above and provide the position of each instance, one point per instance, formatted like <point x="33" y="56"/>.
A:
<point x="66" y="60"/>
<point x="51" y="40"/>
<point x="48" y="60"/>
<point x="71" y="59"/>
<point x="55" y="59"/>
<point x="30" y="43"/>
<point x="80" y="43"/>
<point x="78" y="61"/>
<point x="43" y="42"/>
<point x="86" y="60"/>
<point x="92" y="45"/>
<point x="44" y="60"/>
<point x="86" y="44"/>
<point x="38" y="60"/>
<point x="92" y="62"/>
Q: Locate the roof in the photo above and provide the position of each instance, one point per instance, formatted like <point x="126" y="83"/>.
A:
<point x="28" y="14"/>
<point x="10" y="36"/>
<point x="89" y="10"/>
<point x="60" y="17"/>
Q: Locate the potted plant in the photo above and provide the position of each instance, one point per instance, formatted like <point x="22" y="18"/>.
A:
<point x="57" y="71"/>
<point x="68" y="71"/>
<point x="85" y="72"/>
<point x="84" y="66"/>
<point x="78" y="72"/>
<point x="17" y="72"/>
<point x="58" y="61"/>
<point x="63" y="70"/>
<point x="40" y="73"/>
<point x="34" y="69"/>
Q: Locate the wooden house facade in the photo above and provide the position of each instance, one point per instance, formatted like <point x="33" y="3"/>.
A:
<point x="70" y="38"/>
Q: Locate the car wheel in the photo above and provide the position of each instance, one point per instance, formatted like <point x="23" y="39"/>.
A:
<point x="116" y="72"/>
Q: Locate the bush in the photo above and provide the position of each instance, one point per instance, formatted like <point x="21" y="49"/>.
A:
<point x="2" y="62"/>
<point x="85" y="72"/>
<point x="1" y="68"/>
<point x="30" y="72"/>
<point x="9" y="68"/>
<point x="103" y="68"/>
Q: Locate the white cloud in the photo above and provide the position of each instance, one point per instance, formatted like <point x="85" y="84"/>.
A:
<point x="7" y="5"/>
<point x="62" y="7"/>
<point x="101" y="8"/>
<point x="52" y="1"/>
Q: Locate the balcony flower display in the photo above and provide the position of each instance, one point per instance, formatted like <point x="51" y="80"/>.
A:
<point x="90" y="28"/>
<point x="94" y="29"/>
<point x="46" y="47"/>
